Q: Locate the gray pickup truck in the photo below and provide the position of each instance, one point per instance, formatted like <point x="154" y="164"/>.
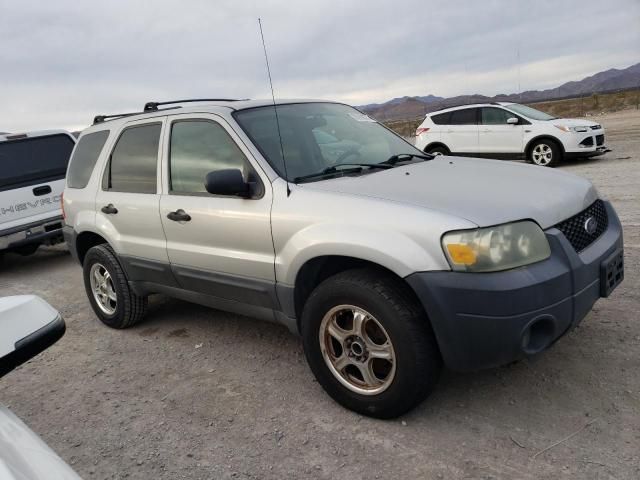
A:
<point x="387" y="261"/>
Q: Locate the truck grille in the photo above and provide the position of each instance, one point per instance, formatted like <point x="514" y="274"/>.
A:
<point x="575" y="228"/>
<point x="599" y="140"/>
<point x="596" y="127"/>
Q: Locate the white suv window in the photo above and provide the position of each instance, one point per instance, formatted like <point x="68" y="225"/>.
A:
<point x="134" y="160"/>
<point x="465" y="116"/>
<point x="495" y="116"/>
<point x="198" y="147"/>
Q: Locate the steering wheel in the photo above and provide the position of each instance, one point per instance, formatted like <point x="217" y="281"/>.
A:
<point x="346" y="154"/>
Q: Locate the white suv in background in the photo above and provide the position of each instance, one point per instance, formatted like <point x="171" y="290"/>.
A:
<point x="508" y="130"/>
<point x="32" y="171"/>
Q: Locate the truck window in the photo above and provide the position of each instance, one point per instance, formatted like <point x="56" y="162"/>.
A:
<point x="34" y="160"/>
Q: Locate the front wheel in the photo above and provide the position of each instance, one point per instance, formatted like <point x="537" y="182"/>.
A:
<point x="370" y="344"/>
<point x="545" y="153"/>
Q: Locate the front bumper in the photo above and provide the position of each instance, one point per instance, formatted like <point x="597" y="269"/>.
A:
<point x="484" y="320"/>
<point x="588" y="144"/>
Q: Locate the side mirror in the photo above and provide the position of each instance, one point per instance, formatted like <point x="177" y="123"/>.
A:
<point x="28" y="325"/>
<point x="228" y="182"/>
<point x="512" y="121"/>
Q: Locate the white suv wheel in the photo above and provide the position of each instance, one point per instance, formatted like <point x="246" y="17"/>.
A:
<point x="542" y="154"/>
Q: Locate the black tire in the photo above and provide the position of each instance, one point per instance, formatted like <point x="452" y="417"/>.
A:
<point x="418" y="359"/>
<point x="130" y="308"/>
<point x="537" y="157"/>
<point x="438" y="150"/>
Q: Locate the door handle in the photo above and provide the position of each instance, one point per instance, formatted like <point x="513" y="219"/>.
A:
<point x="41" y="190"/>
<point x="109" y="209"/>
<point x="179" y="216"/>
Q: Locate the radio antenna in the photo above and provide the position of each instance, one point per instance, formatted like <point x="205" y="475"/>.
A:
<point x="275" y="108"/>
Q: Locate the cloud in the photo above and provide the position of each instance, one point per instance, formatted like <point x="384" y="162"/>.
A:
<point x="64" y="62"/>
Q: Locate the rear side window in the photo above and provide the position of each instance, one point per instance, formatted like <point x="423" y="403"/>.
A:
<point x="495" y="116"/>
<point x="466" y="116"/>
<point x="197" y="148"/>
<point x="134" y="160"/>
<point x="84" y="158"/>
<point x="34" y="160"/>
<point x="441" y="118"/>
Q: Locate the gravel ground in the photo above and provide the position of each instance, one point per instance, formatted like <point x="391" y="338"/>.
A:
<point x="197" y="393"/>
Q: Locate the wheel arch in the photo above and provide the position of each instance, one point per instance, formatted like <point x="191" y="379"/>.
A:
<point x="435" y="144"/>
<point x="315" y="270"/>
<point x="531" y="143"/>
<point x="85" y="240"/>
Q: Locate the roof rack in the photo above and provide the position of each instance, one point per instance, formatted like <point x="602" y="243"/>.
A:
<point x="104" y="118"/>
<point x="153" y="106"/>
<point x="466" y="104"/>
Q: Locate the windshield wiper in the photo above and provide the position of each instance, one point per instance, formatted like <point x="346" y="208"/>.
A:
<point x="332" y="170"/>
<point x="402" y="157"/>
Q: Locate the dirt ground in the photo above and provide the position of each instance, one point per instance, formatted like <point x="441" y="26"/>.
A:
<point x="197" y="393"/>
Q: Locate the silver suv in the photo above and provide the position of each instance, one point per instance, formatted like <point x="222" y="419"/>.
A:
<point x="388" y="262"/>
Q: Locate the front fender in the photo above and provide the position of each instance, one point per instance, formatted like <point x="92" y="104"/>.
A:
<point x="390" y="249"/>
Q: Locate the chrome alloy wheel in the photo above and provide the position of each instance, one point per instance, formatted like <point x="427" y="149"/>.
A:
<point x="357" y="350"/>
<point x="102" y="287"/>
<point x="542" y="154"/>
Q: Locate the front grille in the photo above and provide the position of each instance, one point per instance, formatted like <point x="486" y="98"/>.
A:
<point x="599" y="140"/>
<point x="575" y="230"/>
<point x="596" y="127"/>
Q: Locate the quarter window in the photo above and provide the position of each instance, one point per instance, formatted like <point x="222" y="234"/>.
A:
<point x="84" y="158"/>
<point x="441" y="118"/>
<point x="197" y="148"/>
<point x="134" y="160"/>
<point x="466" y="116"/>
<point x="495" y="116"/>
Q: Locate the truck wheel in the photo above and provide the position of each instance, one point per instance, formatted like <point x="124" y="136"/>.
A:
<point x="545" y="153"/>
<point x="369" y="343"/>
<point x="108" y="290"/>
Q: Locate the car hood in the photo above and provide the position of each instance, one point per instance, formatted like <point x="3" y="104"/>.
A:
<point x="485" y="192"/>
<point x="574" y="122"/>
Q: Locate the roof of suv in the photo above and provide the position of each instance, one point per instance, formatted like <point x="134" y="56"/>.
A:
<point x="190" y="106"/>
<point x="470" y="105"/>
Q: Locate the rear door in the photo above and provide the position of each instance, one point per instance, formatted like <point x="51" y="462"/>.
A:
<point x="32" y="171"/>
<point x="496" y="135"/>
<point x="460" y="135"/>
<point x="128" y="202"/>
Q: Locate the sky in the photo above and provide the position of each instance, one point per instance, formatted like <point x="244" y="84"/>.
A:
<point x="63" y="62"/>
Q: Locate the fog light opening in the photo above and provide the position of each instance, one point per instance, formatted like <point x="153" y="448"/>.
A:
<point x="538" y="335"/>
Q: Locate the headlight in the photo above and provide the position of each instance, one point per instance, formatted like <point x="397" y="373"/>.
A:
<point x="496" y="248"/>
<point x="580" y="129"/>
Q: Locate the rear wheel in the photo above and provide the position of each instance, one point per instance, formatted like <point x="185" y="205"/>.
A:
<point x="369" y="343"/>
<point x="545" y="153"/>
<point x="105" y="282"/>
<point x="438" y="150"/>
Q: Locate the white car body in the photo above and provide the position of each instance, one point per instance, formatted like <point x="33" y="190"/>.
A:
<point x="28" y="325"/>
<point x="32" y="172"/>
<point x="491" y="135"/>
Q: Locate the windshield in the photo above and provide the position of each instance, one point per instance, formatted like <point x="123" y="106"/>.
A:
<point x="316" y="136"/>
<point x="529" y="112"/>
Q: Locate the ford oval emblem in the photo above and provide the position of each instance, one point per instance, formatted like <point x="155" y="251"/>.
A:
<point x="590" y="225"/>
